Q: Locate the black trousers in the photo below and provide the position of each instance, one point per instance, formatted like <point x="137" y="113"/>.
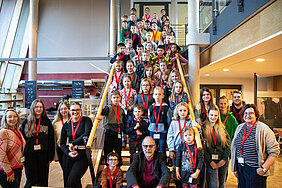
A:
<point x="16" y="183"/>
<point x="249" y="178"/>
<point x="37" y="169"/>
<point x="133" y="148"/>
<point x="112" y="142"/>
<point x="74" y="169"/>
<point x="61" y="156"/>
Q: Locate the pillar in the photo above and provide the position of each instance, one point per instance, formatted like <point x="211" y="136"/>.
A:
<point x="33" y="32"/>
<point x="114" y="12"/>
<point x="173" y="17"/>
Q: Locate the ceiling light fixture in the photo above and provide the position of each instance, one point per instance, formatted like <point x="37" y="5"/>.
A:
<point x="225" y="70"/>
<point x="259" y="60"/>
<point x="207" y="74"/>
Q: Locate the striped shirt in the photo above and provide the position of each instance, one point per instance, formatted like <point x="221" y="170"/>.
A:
<point x="250" y="154"/>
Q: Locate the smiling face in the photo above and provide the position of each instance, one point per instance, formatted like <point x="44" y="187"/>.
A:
<point x="118" y="67"/>
<point x="182" y="112"/>
<point x="188" y="137"/>
<point x="145" y="85"/>
<point x="125" y="25"/>
<point x="250" y="116"/>
<point x="112" y="161"/>
<point x="160" y="52"/>
<point x="149" y="147"/>
<point x="115" y="99"/>
<point x="38" y="109"/>
<point x="174" y="48"/>
<point x="163" y="66"/>
<point x="213" y="116"/>
<point x="237" y="99"/>
<point x="137" y="112"/>
<point x="178" y="88"/>
<point x="206" y="96"/>
<point x="139" y="50"/>
<point x="64" y="111"/>
<point x="223" y="106"/>
<point x="149" y="36"/>
<point x="174" y="77"/>
<point x="12" y="119"/>
<point x="122" y="49"/>
<point x="129" y="67"/>
<point x="165" y="77"/>
<point x="75" y="112"/>
<point x="149" y="72"/>
<point x="126" y="82"/>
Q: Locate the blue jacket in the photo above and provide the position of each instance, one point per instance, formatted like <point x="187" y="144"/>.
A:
<point x="164" y="121"/>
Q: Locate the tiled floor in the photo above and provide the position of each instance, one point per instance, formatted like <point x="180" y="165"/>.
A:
<point x="56" y="178"/>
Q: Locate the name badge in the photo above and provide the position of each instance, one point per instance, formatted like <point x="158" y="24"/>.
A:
<point x="190" y="180"/>
<point x="241" y="160"/>
<point x="214" y="157"/>
<point x="157" y="136"/>
<point x="37" y="147"/>
<point x="119" y="136"/>
<point x="22" y="159"/>
<point x="125" y="112"/>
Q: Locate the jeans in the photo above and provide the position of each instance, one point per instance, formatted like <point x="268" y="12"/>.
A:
<point x="216" y="177"/>
<point x="160" y="143"/>
<point x="249" y="178"/>
<point x="16" y="183"/>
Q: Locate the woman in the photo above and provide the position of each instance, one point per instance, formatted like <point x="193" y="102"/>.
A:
<point x="63" y="115"/>
<point x="202" y="108"/>
<point x="11" y="153"/>
<point x="75" y="163"/>
<point x="254" y="149"/>
<point x="38" y="133"/>
<point x="217" y="149"/>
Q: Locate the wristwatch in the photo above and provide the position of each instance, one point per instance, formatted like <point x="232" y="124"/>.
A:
<point x="263" y="169"/>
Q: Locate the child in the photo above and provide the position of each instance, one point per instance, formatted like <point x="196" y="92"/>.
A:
<point x="167" y="43"/>
<point x="136" y="128"/>
<point x="128" y="48"/>
<point x="174" y="49"/>
<point x="148" y="73"/>
<point x="156" y="35"/>
<point x="124" y="18"/>
<point x="137" y="59"/>
<point x="141" y="31"/>
<point x="177" y="95"/>
<point x="189" y="160"/>
<point x="117" y="76"/>
<point x="121" y="55"/>
<point x="159" y="117"/>
<point x="149" y="41"/>
<point x="112" y="175"/>
<point x="133" y="36"/>
<point x="173" y="77"/>
<point x="149" y="47"/>
<point x="165" y="76"/>
<point x="114" y="119"/>
<point x="163" y="37"/>
<point x="124" y="31"/>
<point x="145" y="97"/>
<point x="147" y="26"/>
<point x="147" y="15"/>
<point x="142" y="63"/>
<point x="135" y="80"/>
<point x="160" y="56"/>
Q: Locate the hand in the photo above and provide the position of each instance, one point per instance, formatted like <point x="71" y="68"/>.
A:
<point x="213" y="165"/>
<point x="138" y="132"/>
<point x="220" y="163"/>
<point x="168" y="52"/>
<point x="99" y="117"/>
<point x="136" y="186"/>
<point x="196" y="174"/>
<point x="236" y="174"/>
<point x="117" y="58"/>
<point x="137" y="126"/>
<point x="195" y="124"/>
<point x="71" y="148"/>
<point x="177" y="174"/>
<point x="260" y="171"/>
<point x="172" y="155"/>
<point x="159" y="186"/>
<point x="11" y="178"/>
<point x="73" y="154"/>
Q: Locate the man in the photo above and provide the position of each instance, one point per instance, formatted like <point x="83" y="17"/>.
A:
<point x="148" y="168"/>
<point x="237" y="106"/>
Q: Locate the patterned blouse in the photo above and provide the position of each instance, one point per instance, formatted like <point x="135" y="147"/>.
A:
<point x="127" y="97"/>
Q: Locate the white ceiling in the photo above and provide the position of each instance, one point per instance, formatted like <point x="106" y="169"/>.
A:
<point x="243" y="64"/>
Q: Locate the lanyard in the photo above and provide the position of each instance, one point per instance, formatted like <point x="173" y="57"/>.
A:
<point x="117" y="115"/>
<point x="19" y="137"/>
<point x="131" y="76"/>
<point x="117" y="78"/>
<point x="236" y="115"/>
<point x="132" y="37"/>
<point x="62" y="121"/>
<point x="214" y="138"/>
<point x="225" y="119"/>
<point x="147" y="17"/>
<point x="37" y="129"/>
<point x="126" y="96"/>
<point x="159" y="59"/>
<point x="176" y="100"/>
<point x="206" y="110"/>
<point x="190" y="153"/>
<point x="73" y="132"/>
<point x="180" y="129"/>
<point x="120" y="56"/>
<point x="157" y="118"/>
<point x="245" y="137"/>
<point x="110" y="178"/>
<point x="147" y="102"/>
<point x="126" y="32"/>
<point x="154" y="35"/>
<point x="140" y="31"/>
<point x="166" y="46"/>
<point x="138" y="121"/>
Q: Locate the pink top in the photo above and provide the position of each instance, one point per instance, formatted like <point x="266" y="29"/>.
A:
<point x="12" y="146"/>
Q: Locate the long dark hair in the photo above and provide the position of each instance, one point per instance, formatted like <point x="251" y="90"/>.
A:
<point x="203" y="115"/>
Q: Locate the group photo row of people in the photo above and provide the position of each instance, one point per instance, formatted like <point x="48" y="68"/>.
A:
<point x="147" y="109"/>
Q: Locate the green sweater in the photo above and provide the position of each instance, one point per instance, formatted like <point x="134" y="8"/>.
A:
<point x="123" y="34"/>
<point x="231" y="123"/>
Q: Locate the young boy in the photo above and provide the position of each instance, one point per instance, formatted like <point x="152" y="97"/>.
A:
<point x="124" y="31"/>
<point x="136" y="128"/>
<point x="156" y="35"/>
<point x="148" y="41"/>
<point x="121" y="55"/>
<point x="115" y="172"/>
<point x="147" y="15"/>
<point x="159" y="118"/>
<point x="160" y="57"/>
<point x="141" y="31"/>
<point x="133" y="36"/>
<point x="136" y="59"/>
<point x="143" y="63"/>
<point x="124" y="18"/>
<point x="128" y="48"/>
<point x="147" y="26"/>
<point x="114" y="121"/>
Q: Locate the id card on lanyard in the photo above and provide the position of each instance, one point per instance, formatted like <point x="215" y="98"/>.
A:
<point x="213" y="133"/>
<point x="157" y="118"/>
<point x="117" y="116"/>
<point x="37" y="146"/>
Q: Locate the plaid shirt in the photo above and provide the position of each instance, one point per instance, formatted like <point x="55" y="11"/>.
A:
<point x="11" y="150"/>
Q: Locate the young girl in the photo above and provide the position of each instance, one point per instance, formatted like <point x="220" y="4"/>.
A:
<point x="148" y="73"/>
<point x="189" y="160"/>
<point x="145" y="97"/>
<point x="135" y="80"/>
<point x="117" y="76"/>
<point x="173" y="77"/>
<point x="177" y="95"/>
<point x="162" y="41"/>
<point x="202" y="108"/>
<point x="165" y="76"/>
<point x="127" y="96"/>
<point x="217" y="150"/>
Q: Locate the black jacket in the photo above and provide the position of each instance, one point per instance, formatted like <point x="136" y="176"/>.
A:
<point x="135" y="172"/>
<point x="131" y="123"/>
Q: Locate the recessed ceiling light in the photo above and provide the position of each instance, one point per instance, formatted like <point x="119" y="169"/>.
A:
<point x="225" y="70"/>
<point x="207" y="74"/>
<point x="259" y="60"/>
<point x="257" y="74"/>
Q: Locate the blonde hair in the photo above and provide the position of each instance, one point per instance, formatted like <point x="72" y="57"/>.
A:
<point x="173" y="93"/>
<point x="119" y="62"/>
<point x="170" y="82"/>
<point x="4" y="123"/>
<point x="146" y="68"/>
<point x="219" y="128"/>
<point x="175" y="113"/>
<point x="58" y="116"/>
<point x="146" y="80"/>
<point x="188" y="129"/>
<point x="158" y="88"/>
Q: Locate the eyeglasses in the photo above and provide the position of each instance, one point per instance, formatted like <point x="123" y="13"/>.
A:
<point x="112" y="159"/>
<point x="75" y="110"/>
<point x="146" y="146"/>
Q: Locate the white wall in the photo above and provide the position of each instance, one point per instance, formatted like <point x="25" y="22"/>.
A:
<point x="71" y="28"/>
<point x="247" y="85"/>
